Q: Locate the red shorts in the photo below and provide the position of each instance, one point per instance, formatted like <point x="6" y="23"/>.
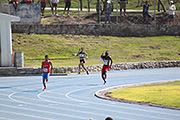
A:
<point x="105" y="68"/>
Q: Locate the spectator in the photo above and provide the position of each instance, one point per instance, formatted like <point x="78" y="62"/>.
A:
<point x="108" y="11"/>
<point x="43" y="5"/>
<point x="23" y="1"/>
<point x="67" y="5"/>
<point x="15" y="4"/>
<point x="54" y="4"/>
<point x="123" y="6"/>
<point x="108" y="118"/>
<point x="26" y="1"/>
<point x="104" y="6"/>
<point x="172" y="9"/>
<point x="146" y="9"/>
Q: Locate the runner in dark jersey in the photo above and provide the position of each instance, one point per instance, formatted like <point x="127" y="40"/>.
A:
<point x="46" y="70"/>
<point x="82" y="61"/>
<point x="106" y="66"/>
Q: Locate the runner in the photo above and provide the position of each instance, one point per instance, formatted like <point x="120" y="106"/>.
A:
<point x="106" y="66"/>
<point x="46" y="70"/>
<point x="82" y="54"/>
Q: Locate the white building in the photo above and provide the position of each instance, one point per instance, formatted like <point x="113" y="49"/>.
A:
<point x="6" y="39"/>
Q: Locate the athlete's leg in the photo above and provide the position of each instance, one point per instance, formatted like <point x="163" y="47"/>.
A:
<point x="85" y="68"/>
<point x="104" y="77"/>
<point x="44" y="83"/>
<point x="80" y="67"/>
<point x="47" y="79"/>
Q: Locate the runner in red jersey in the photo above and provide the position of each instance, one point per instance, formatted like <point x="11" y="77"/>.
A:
<point x="46" y="70"/>
<point x="106" y="66"/>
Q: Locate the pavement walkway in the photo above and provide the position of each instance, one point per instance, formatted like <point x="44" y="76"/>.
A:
<point x="94" y="10"/>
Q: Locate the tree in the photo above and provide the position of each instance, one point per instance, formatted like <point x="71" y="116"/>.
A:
<point x="89" y="3"/>
<point x="161" y="3"/>
<point x="104" y="6"/>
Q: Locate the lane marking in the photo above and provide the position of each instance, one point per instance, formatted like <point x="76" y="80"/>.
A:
<point x="102" y="109"/>
<point x="99" y="104"/>
<point x="27" y="115"/>
<point x="68" y="96"/>
<point x="93" y="108"/>
<point x="6" y="118"/>
<point x="46" y="112"/>
<point x="53" y="107"/>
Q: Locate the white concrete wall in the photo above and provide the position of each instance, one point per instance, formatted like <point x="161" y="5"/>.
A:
<point x="29" y="13"/>
<point x="6" y="39"/>
<point x="0" y="45"/>
<point x="6" y="43"/>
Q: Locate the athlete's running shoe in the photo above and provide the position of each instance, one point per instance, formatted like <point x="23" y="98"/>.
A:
<point x="44" y="89"/>
<point x="46" y="80"/>
<point x="104" y="82"/>
<point x="87" y="73"/>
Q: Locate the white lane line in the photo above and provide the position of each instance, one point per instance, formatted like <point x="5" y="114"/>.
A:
<point x="27" y="115"/>
<point x="98" y="103"/>
<point x="10" y="96"/>
<point x="3" y="118"/>
<point x="68" y="96"/>
<point x="115" y="106"/>
<point x="77" y="105"/>
<point x="101" y="109"/>
<point x="58" y="108"/>
<point x="46" y="112"/>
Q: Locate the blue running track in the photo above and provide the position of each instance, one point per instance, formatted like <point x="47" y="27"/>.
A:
<point x="72" y="97"/>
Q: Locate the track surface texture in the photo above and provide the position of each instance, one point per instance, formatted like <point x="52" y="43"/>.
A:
<point x="72" y="97"/>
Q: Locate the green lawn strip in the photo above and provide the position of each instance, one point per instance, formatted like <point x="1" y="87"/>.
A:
<point x="166" y="94"/>
<point x="61" y="48"/>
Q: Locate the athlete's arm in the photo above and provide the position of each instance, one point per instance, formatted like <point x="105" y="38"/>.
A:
<point x="77" y="54"/>
<point x="111" y="62"/>
<point x="102" y="55"/>
<point x="86" y="55"/>
<point x="51" y="67"/>
<point x="42" y="66"/>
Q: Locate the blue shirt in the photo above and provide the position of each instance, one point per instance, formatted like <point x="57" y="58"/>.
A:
<point x="146" y="8"/>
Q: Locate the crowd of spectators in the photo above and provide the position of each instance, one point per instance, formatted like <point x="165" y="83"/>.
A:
<point x="107" y="8"/>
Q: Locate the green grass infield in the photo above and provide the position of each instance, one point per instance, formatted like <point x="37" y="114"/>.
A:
<point x="165" y="94"/>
